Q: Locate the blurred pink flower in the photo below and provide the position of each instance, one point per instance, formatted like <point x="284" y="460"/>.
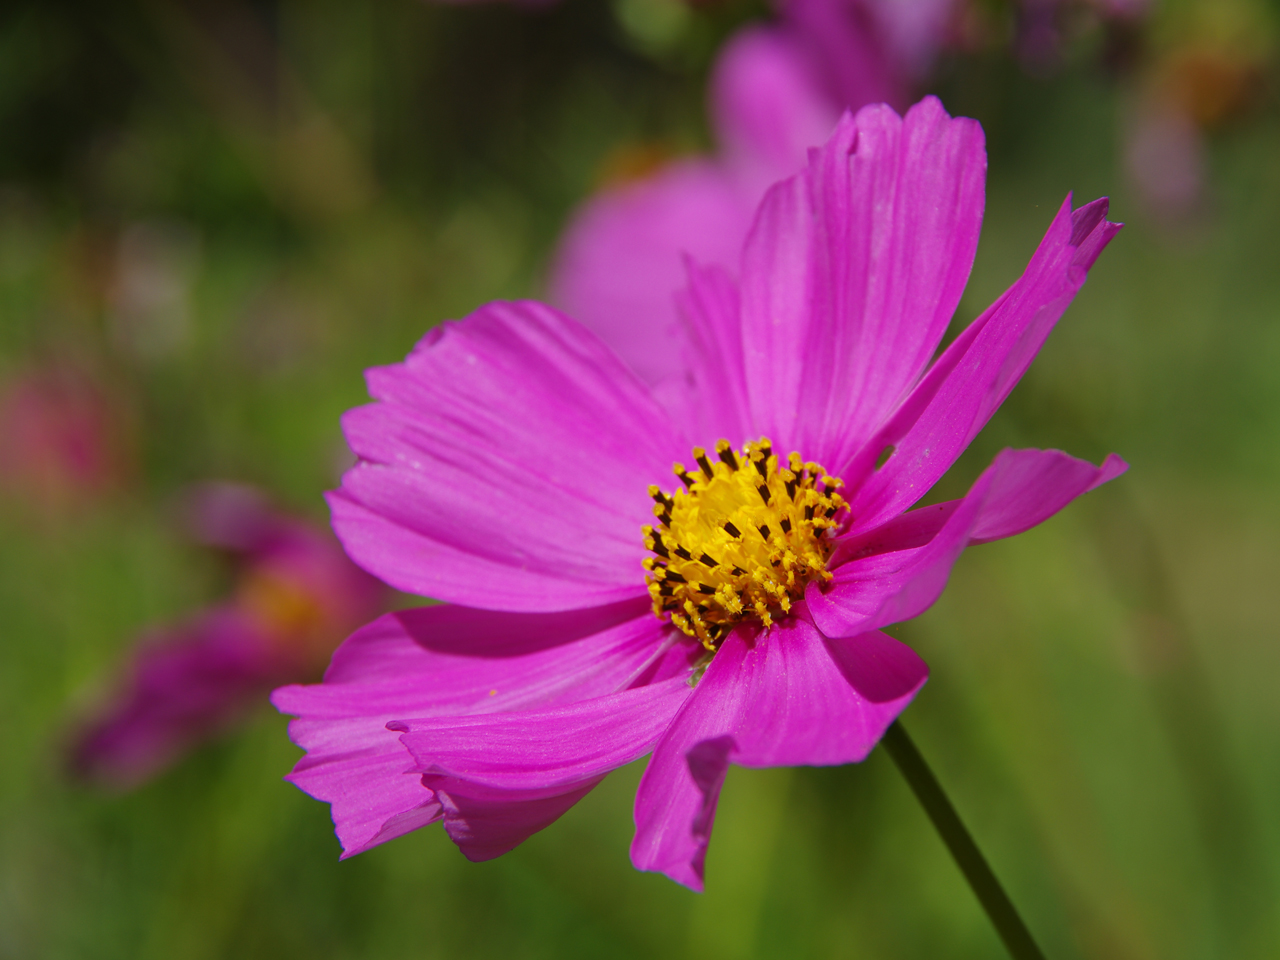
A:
<point x="64" y="439"/>
<point x="1164" y="156"/>
<point x="1193" y="89"/>
<point x="775" y="92"/>
<point x="513" y="467"/>
<point x="295" y="597"/>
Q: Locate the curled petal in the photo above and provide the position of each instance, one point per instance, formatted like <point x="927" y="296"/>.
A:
<point x="897" y="571"/>
<point x="486" y="824"/>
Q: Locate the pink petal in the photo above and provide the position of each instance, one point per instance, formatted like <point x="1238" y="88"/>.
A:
<point x="853" y="271"/>
<point x="712" y="401"/>
<point x="817" y="702"/>
<point x="186" y="684"/>
<point x="676" y="801"/>
<point x="502" y="777"/>
<point x="485" y="827"/>
<point x="852" y="47"/>
<point x="793" y="697"/>
<point x="619" y="264"/>
<point x="1030" y="486"/>
<point x="438" y="661"/>
<point x="769" y="107"/>
<point x="620" y="261"/>
<point x="365" y="775"/>
<point x="505" y="466"/>
<point x="897" y="571"/>
<point x="552" y="747"/>
<point x="971" y="379"/>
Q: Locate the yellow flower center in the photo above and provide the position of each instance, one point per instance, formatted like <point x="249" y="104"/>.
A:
<point x="741" y="541"/>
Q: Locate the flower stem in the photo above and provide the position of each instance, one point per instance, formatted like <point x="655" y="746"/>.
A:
<point x="974" y="866"/>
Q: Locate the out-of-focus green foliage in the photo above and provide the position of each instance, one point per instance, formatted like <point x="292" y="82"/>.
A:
<point x="223" y="212"/>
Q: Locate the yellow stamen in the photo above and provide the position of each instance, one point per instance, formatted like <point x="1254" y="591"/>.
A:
<point x="742" y="541"/>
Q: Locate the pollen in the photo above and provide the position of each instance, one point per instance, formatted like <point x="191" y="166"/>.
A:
<point x="741" y="540"/>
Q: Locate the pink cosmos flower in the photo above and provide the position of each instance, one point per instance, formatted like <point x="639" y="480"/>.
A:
<point x="513" y="467"/>
<point x="64" y="439"/>
<point x="775" y="92"/>
<point x="295" y="597"/>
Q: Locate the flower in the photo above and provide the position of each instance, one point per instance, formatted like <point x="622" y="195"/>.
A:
<point x="65" y="440"/>
<point x="775" y="92"/>
<point x="513" y="467"/>
<point x="295" y="597"/>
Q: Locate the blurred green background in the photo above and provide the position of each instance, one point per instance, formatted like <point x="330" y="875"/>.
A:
<point x="222" y="212"/>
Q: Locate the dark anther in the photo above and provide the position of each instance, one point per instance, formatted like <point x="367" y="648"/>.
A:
<point x="738" y="571"/>
<point x="675" y="577"/>
<point x="701" y="456"/>
<point x="762" y="467"/>
<point x="706" y="590"/>
<point x="763" y="490"/>
<point x="682" y="553"/>
<point x="706" y="561"/>
<point x="659" y="547"/>
<point x="665" y="519"/>
<point x="791" y="489"/>
<point x="683" y="475"/>
<point x="665" y="590"/>
<point x="786" y="524"/>
<point x="764" y="530"/>
<point x="661" y="497"/>
<point x="731" y="529"/>
<point x="727" y="454"/>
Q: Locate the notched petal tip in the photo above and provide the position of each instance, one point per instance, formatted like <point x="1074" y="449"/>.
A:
<point x="1112" y="467"/>
<point x="1091" y="231"/>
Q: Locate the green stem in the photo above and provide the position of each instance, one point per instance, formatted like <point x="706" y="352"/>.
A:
<point x="974" y="866"/>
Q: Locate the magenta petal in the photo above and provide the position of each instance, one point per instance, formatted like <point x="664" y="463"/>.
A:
<point x="674" y="810"/>
<point x="897" y="571"/>
<point x="438" y="661"/>
<point x="792" y="697"/>
<point x="485" y="827"/>
<point x="768" y="106"/>
<point x="505" y="466"/>
<point x="1030" y="486"/>
<point x="186" y="685"/>
<point x="503" y="776"/>
<point x="713" y="401"/>
<point x="853" y="271"/>
<point x="855" y="44"/>
<point x="620" y="260"/>
<point x="817" y="702"/>
<point x="973" y="376"/>
<point x="366" y="777"/>
<point x="553" y="747"/>
<point x="870" y="592"/>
